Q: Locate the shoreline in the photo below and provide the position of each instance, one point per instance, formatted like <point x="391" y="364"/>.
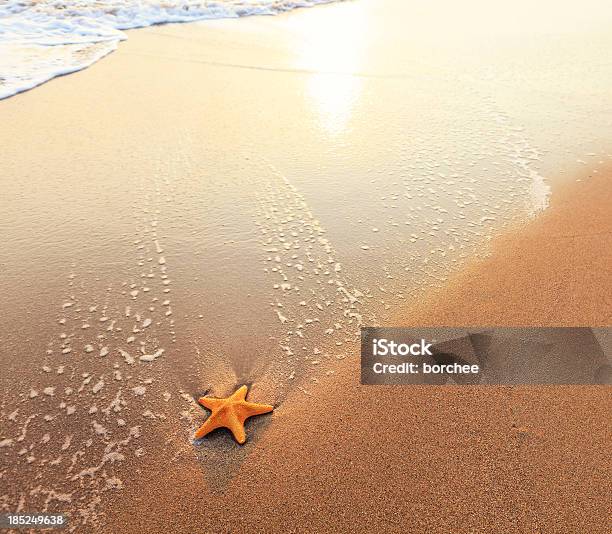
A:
<point x="565" y="256"/>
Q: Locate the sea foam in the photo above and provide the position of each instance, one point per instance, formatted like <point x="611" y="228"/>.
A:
<point x="42" y="39"/>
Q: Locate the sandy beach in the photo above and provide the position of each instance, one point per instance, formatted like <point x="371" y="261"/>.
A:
<point x="439" y="459"/>
<point x="228" y="202"/>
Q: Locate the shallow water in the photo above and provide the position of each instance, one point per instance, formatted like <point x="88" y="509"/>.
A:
<point x="42" y="39"/>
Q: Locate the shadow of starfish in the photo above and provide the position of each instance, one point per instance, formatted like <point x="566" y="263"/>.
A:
<point x="219" y="453"/>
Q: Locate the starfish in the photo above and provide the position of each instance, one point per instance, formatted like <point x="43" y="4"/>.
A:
<point x="231" y="413"/>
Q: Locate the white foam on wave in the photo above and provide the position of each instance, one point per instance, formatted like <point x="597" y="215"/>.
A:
<point x="42" y="39"/>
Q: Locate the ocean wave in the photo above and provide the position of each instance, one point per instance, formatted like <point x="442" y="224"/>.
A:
<point x="42" y="39"/>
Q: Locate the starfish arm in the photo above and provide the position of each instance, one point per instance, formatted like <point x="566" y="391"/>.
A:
<point x="210" y="402"/>
<point x="237" y="429"/>
<point x="212" y="423"/>
<point x="252" y="408"/>
<point x="240" y="393"/>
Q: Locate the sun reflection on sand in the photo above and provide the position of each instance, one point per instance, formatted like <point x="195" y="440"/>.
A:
<point x="334" y="54"/>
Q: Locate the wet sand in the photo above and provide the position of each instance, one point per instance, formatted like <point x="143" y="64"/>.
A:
<point x="226" y="203"/>
<point x="553" y="272"/>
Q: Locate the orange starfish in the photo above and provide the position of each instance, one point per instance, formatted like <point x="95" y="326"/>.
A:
<point x="231" y="413"/>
